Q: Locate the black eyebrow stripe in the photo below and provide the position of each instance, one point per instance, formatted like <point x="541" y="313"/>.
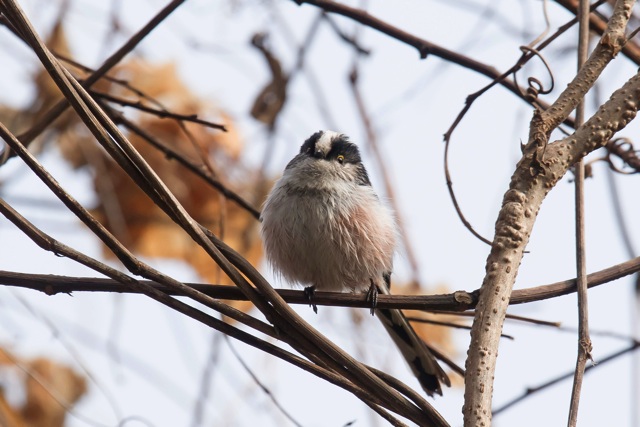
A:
<point x="310" y="144"/>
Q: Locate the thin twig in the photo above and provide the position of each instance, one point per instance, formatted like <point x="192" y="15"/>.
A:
<point x="259" y="383"/>
<point x="584" y="340"/>
<point x="206" y="379"/>
<point x="160" y="113"/>
<point x="350" y="40"/>
<point x="448" y="324"/>
<point x="532" y="390"/>
<point x="508" y="316"/>
<point x="597" y="332"/>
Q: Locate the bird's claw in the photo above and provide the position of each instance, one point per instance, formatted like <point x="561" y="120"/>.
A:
<point x="309" y="291"/>
<point x="372" y="297"/>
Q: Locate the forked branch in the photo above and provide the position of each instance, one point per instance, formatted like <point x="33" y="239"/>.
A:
<point x="538" y="171"/>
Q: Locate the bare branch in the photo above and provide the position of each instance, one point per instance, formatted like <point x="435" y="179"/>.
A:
<point x="456" y="302"/>
<point x="533" y="390"/>
<point x="160" y="113"/>
<point x="536" y="174"/>
<point x="584" y="340"/>
<point x="260" y="384"/>
<point x="612" y="41"/>
<point x="447" y="324"/>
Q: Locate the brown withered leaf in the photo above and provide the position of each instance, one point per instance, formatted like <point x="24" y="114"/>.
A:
<point x="51" y="388"/>
<point x="42" y="409"/>
<point x="269" y="102"/>
<point x="146" y="227"/>
<point x="133" y="217"/>
<point x="122" y="207"/>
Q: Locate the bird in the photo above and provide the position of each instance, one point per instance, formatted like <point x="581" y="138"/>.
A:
<point x="324" y="227"/>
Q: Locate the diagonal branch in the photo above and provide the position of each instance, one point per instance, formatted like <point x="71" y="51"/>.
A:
<point x="119" y="250"/>
<point x="162" y="113"/>
<point x="532" y="390"/>
<point x="111" y="62"/>
<point x="609" y="46"/>
<point x="171" y="153"/>
<point x="424" y="47"/>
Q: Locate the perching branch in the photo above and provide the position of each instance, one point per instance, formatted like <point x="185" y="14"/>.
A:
<point x="455" y="302"/>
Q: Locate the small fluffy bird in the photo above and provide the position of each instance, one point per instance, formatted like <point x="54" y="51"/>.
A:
<point x="324" y="227"/>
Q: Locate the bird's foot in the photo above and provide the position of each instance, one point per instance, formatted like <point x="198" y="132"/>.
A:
<point x="309" y="291"/>
<point x="372" y="296"/>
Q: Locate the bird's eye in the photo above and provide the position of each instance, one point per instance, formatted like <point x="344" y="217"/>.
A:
<point x="340" y="158"/>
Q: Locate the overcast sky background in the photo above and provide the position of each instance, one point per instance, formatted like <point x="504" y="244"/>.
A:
<point x="156" y="371"/>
